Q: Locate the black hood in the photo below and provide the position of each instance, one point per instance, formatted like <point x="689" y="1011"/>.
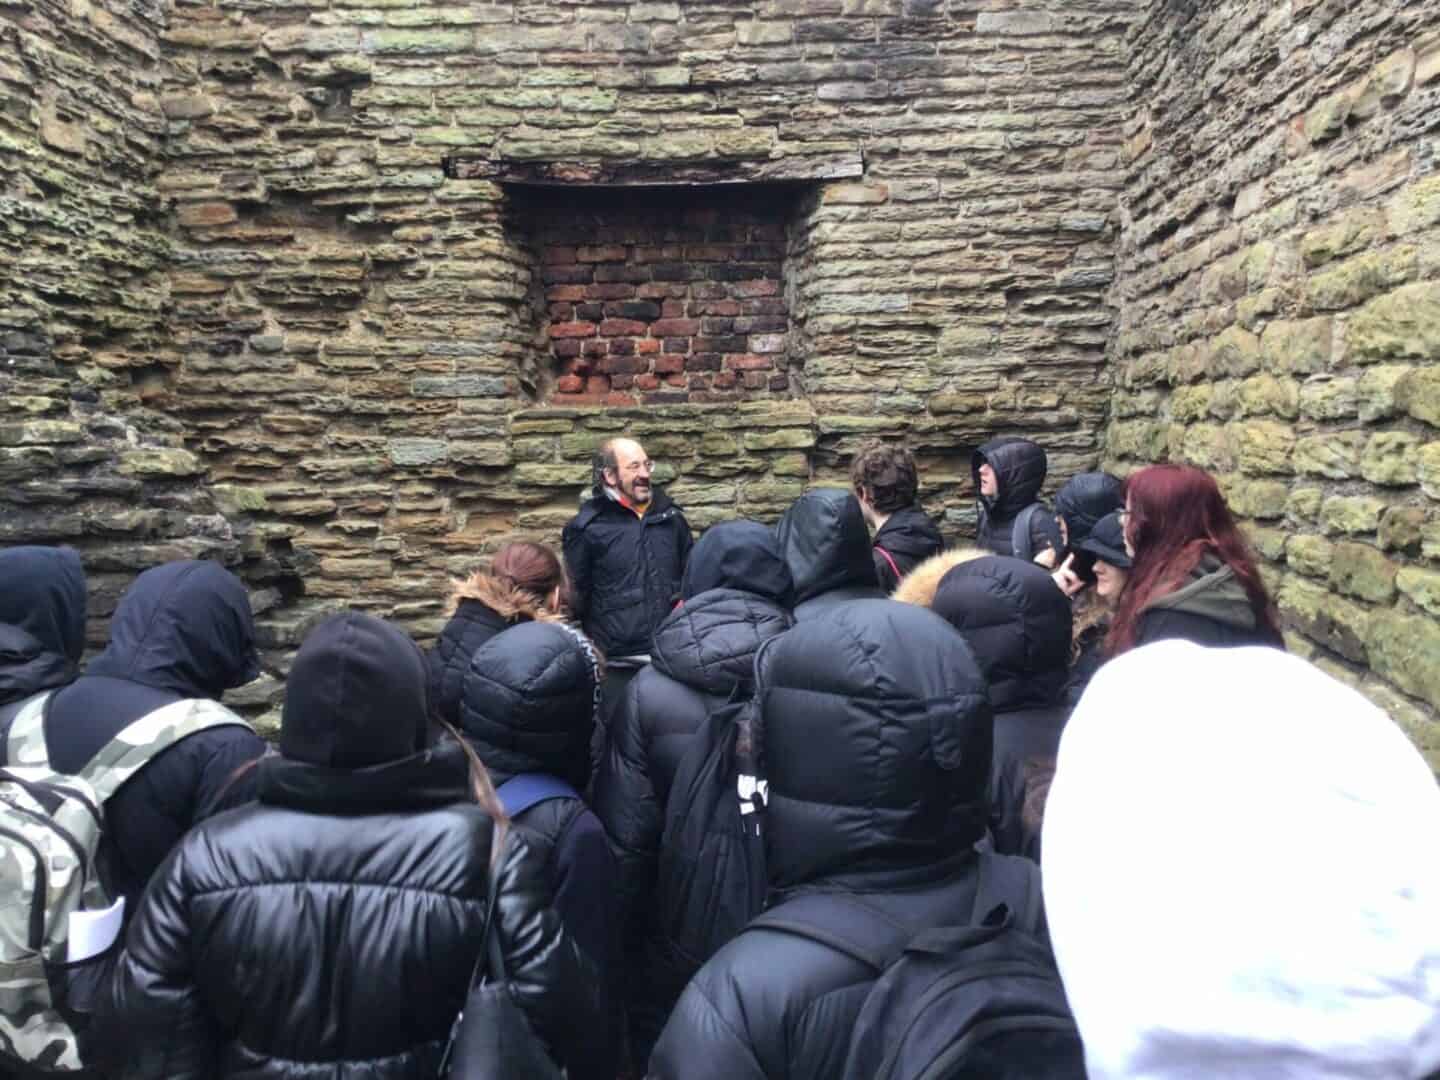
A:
<point x="1085" y="499"/>
<point x="42" y="619"/>
<point x="1017" y="623"/>
<point x="184" y="627"/>
<point x="911" y="533"/>
<point x="1106" y="541"/>
<point x="741" y="555"/>
<point x="528" y="702"/>
<point x="1019" y="466"/>
<point x="826" y="544"/>
<point x="355" y="696"/>
<point x="876" y="735"/>
<point x="710" y="642"/>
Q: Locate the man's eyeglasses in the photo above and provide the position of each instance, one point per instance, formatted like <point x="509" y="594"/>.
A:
<point x="639" y="466"/>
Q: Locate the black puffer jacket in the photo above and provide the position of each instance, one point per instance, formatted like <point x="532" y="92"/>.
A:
<point x="908" y="537"/>
<point x="42" y="620"/>
<point x="483" y="607"/>
<point x="827" y="547"/>
<point x="528" y="706"/>
<point x="1019" y="466"/>
<point x="331" y="929"/>
<point x="182" y="630"/>
<point x="703" y="653"/>
<point x="625" y="570"/>
<point x="875" y="726"/>
<point x="1085" y="499"/>
<point x="1018" y="625"/>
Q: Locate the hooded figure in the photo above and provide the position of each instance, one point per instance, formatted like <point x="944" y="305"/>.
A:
<point x="907" y="539"/>
<point x="333" y="926"/>
<point x="42" y="620"/>
<point x="827" y="548"/>
<point x="736" y="595"/>
<point x="1019" y="466"/>
<point x="182" y="631"/>
<point x="1084" y="499"/>
<point x="528" y="705"/>
<point x="1017" y="623"/>
<point x="1232" y="876"/>
<point x="875" y="730"/>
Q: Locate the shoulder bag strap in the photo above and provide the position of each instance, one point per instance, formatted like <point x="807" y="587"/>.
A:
<point x="131" y="750"/>
<point x="842" y="922"/>
<point x="890" y="559"/>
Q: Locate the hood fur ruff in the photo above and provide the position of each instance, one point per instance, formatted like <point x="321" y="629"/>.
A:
<point x="918" y="586"/>
<point x="510" y="603"/>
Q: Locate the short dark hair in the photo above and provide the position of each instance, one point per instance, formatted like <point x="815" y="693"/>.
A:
<point x="603" y="458"/>
<point x="887" y="472"/>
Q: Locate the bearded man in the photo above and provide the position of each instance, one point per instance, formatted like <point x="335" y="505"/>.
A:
<point x="625" y="552"/>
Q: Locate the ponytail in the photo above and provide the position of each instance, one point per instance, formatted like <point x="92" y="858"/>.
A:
<point x="482" y="789"/>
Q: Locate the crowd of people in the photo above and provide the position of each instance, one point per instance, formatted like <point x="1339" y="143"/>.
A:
<point x="767" y="805"/>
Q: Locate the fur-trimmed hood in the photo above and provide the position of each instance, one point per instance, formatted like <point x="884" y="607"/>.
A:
<point x="918" y="586"/>
<point x="510" y="603"/>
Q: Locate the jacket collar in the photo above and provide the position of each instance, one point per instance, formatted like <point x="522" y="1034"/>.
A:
<point x="434" y="777"/>
<point x="661" y="508"/>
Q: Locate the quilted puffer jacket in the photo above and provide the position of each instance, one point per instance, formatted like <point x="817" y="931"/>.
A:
<point x="331" y="928"/>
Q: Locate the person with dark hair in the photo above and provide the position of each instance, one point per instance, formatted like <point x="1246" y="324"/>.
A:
<point x="180" y="637"/>
<point x="332" y="927"/>
<point x="1083" y="500"/>
<point x="528" y="704"/>
<point x="1103" y="549"/>
<point x="625" y="551"/>
<point x="1008" y="474"/>
<point x="1193" y="575"/>
<point x="884" y="480"/>
<point x="1018" y="626"/>
<point x="525" y="582"/>
<point x="875" y="731"/>
<point x="42" y="623"/>
<point x="735" y="596"/>
<point x="827" y="548"/>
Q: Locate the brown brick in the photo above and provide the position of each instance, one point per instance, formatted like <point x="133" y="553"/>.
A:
<point x="572" y="330"/>
<point x="621" y="328"/>
<point x="647" y="345"/>
<point x="749" y="362"/>
<point x="668" y="363"/>
<point x="605" y="253"/>
<point x="675" y="327"/>
<point x="609" y="291"/>
<point x="570" y="384"/>
<point x="755" y="288"/>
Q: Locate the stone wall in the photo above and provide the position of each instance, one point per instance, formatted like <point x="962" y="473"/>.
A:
<point x="1279" y="298"/>
<point x="355" y="355"/>
<point x="84" y="259"/>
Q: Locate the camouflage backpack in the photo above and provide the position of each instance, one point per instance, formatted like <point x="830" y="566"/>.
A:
<point x="50" y="829"/>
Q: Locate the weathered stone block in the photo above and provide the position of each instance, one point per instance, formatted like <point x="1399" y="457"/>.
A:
<point x="1360" y="278"/>
<point x="572" y="476"/>
<point x="1417" y="207"/>
<point x="1418" y="393"/>
<point x="1352" y="231"/>
<point x="1405" y="649"/>
<point x="1259" y="499"/>
<point x="1351" y="514"/>
<point x="1190" y="403"/>
<point x="1265" y="394"/>
<point x="405" y="452"/>
<point x="40" y="433"/>
<point x="160" y="463"/>
<point x="1375" y="391"/>
<point x="1421" y="586"/>
<point x="1309" y="554"/>
<point x="1401" y="528"/>
<point x="1329" y="398"/>
<point x="1265" y="447"/>
<point x="1361" y="571"/>
<point x="1206" y="445"/>
<point x="1428" y="467"/>
<point x="1301" y="347"/>
<point x="1335" y="454"/>
<point x="490" y="454"/>
<point x="233" y="499"/>
<point x="1333" y="622"/>
<point x="1391" y="458"/>
<point x="1404" y="323"/>
<point x="1235" y="352"/>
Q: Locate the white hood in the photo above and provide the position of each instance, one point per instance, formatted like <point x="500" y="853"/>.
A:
<point x="1242" y="874"/>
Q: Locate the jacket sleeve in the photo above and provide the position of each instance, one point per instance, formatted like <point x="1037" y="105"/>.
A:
<point x="589" y="906"/>
<point x="633" y="818"/>
<point x="700" y="1043"/>
<point x="153" y="1022"/>
<point x="685" y="541"/>
<point x="549" y="976"/>
<point x="577" y="565"/>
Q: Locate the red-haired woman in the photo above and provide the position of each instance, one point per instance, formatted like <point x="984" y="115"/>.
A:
<point x="1193" y="575"/>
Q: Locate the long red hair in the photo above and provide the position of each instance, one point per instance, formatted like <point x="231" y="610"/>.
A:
<point x="1176" y="516"/>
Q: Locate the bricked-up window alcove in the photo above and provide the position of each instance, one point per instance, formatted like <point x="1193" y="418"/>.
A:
<point x="655" y="295"/>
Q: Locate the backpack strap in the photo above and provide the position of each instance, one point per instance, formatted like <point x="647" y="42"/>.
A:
<point x="25" y="731"/>
<point x="890" y="559"/>
<point x="132" y="749"/>
<point x="842" y="922"/>
<point x="525" y="790"/>
<point x="1013" y="881"/>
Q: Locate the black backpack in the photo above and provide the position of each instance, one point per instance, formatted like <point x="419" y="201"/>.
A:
<point x="711" y="876"/>
<point x="1023" y="545"/>
<point x="981" y="1001"/>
